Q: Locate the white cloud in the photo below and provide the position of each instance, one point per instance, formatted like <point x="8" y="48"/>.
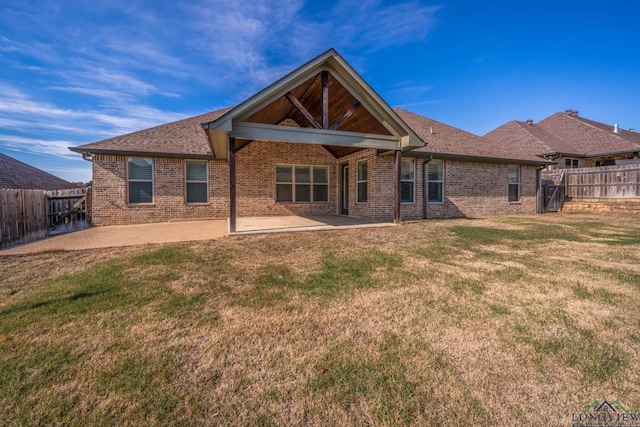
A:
<point x="38" y="146"/>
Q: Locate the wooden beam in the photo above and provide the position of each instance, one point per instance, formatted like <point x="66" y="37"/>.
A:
<point x="266" y="132"/>
<point x="325" y="99"/>
<point x="232" y="185"/>
<point x="397" y="186"/>
<point x="303" y="110"/>
<point x="346" y="115"/>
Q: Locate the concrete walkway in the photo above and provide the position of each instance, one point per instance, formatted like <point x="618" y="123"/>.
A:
<point x="187" y="231"/>
<point x="126" y="235"/>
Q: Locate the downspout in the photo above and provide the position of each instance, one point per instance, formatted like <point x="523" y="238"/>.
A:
<point x="540" y="203"/>
<point x="424" y="187"/>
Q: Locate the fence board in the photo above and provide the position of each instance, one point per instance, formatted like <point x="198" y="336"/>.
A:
<point x="608" y="182"/>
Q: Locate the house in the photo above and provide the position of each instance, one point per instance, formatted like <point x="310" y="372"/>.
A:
<point x="570" y="140"/>
<point x="17" y="175"/>
<point x="319" y="141"/>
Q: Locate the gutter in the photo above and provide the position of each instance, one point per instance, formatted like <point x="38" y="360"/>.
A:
<point x="87" y="153"/>
<point x="469" y="158"/>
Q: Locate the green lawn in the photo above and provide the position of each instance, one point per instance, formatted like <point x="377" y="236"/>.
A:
<point x="500" y="321"/>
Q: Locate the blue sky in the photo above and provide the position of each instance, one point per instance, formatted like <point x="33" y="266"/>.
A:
<point x="73" y="72"/>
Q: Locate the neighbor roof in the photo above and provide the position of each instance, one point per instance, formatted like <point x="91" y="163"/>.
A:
<point x="566" y="134"/>
<point x="444" y="141"/>
<point x="184" y="138"/>
<point x="20" y="176"/>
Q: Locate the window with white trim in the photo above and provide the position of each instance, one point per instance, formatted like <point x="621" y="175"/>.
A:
<point x="139" y="180"/>
<point x="362" y="187"/>
<point x="435" y="175"/>
<point x="196" y="172"/>
<point x="299" y="183"/>
<point x="408" y="179"/>
<point x="514" y="183"/>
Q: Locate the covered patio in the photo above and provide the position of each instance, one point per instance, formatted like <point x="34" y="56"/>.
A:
<point x="324" y="103"/>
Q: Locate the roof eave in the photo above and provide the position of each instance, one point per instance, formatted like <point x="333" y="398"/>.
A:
<point x="448" y="156"/>
<point x="134" y="153"/>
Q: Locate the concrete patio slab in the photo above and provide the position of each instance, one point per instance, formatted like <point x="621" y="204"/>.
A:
<point x="186" y="231"/>
<point x="284" y="224"/>
<point x="126" y="235"/>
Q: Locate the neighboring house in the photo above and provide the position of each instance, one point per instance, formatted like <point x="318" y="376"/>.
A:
<point x="571" y="141"/>
<point x="16" y="175"/>
<point x="319" y="141"/>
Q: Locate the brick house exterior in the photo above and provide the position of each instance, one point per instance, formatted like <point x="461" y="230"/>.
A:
<point x="348" y="153"/>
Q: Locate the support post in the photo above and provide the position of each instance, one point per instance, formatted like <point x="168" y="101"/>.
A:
<point x="397" y="186"/>
<point x="232" y="185"/>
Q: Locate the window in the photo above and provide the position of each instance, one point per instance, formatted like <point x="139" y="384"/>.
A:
<point x="363" y="176"/>
<point x="570" y="163"/>
<point x="435" y="174"/>
<point x="408" y="179"/>
<point x="140" y="177"/>
<point x="196" y="181"/>
<point x="514" y="183"/>
<point x="295" y="183"/>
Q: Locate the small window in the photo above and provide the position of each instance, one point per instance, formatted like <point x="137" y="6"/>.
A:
<point x="408" y="179"/>
<point x="570" y="163"/>
<point x="363" y="176"/>
<point x="297" y="183"/>
<point x="196" y="181"/>
<point x="140" y="180"/>
<point x="435" y="174"/>
<point x="514" y="183"/>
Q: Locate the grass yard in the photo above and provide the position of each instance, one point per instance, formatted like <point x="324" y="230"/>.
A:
<point x="501" y="321"/>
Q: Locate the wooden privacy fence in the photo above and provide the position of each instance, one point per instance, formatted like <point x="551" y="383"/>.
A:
<point x="608" y="182"/>
<point x="28" y="215"/>
<point x="599" y="183"/>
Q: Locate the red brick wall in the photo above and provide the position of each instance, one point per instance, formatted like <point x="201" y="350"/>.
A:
<point x="471" y="188"/>
<point x="110" y="205"/>
<point x="256" y="175"/>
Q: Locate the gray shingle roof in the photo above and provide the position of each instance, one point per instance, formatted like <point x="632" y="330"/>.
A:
<point x="182" y="138"/>
<point x="448" y="141"/>
<point x="20" y="176"/>
<point x="566" y="134"/>
<point x="186" y="138"/>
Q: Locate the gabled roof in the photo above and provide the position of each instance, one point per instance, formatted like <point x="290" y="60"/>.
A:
<point x="183" y="138"/>
<point x="328" y="100"/>
<point x="444" y="141"/>
<point x="566" y="134"/>
<point x="20" y="176"/>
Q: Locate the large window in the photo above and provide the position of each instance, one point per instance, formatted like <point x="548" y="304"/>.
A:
<point x="435" y="174"/>
<point x="140" y="180"/>
<point x="408" y="179"/>
<point x="514" y="183"/>
<point x="570" y="163"/>
<point x="363" y="176"/>
<point x="298" y="184"/>
<point x="196" y="181"/>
